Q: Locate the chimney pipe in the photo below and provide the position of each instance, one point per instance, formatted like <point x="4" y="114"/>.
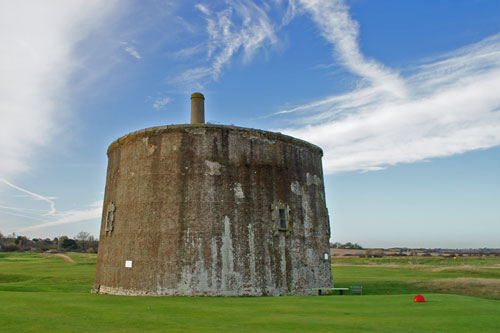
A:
<point x="197" y="108"/>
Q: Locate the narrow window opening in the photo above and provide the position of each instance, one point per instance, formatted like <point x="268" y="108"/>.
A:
<point x="108" y="221"/>
<point x="282" y="217"/>
<point x="110" y="217"/>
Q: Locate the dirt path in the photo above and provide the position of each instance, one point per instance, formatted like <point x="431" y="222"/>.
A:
<point x="337" y="264"/>
<point x="65" y="257"/>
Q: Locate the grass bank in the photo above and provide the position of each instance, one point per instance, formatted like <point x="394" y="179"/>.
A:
<point x="47" y="293"/>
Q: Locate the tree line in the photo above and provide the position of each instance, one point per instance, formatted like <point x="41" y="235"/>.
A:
<point x="347" y="245"/>
<point x="83" y="242"/>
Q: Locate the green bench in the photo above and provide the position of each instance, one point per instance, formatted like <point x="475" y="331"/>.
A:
<point x="357" y="290"/>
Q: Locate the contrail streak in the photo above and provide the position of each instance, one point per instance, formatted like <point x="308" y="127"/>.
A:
<point x="34" y="195"/>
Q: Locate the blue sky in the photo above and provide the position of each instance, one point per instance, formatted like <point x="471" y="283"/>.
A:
<point x="403" y="97"/>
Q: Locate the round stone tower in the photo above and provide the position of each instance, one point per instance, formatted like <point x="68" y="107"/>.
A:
<point x="216" y="210"/>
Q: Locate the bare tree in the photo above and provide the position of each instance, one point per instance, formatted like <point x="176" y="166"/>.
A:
<point x="92" y="244"/>
<point x="82" y="237"/>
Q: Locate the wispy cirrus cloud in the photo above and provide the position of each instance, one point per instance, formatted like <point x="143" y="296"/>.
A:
<point x="188" y="51"/>
<point x="66" y="217"/>
<point x="202" y="8"/>
<point x="239" y="28"/>
<point x="130" y="49"/>
<point x="448" y="105"/>
<point x="38" y="40"/>
<point x="160" y="103"/>
<point x="49" y="218"/>
<point x="336" y="25"/>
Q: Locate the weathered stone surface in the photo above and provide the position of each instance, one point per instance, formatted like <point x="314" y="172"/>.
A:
<point x="213" y="210"/>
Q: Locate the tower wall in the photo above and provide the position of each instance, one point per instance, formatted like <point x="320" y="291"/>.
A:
<point x="213" y="210"/>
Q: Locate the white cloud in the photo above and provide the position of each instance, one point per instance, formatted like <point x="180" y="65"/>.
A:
<point x="161" y="103"/>
<point x="37" y="58"/>
<point x="240" y="27"/>
<point x="39" y="54"/>
<point x="290" y="13"/>
<point x="131" y="50"/>
<point x="337" y="26"/>
<point x="186" y="25"/>
<point x="188" y="51"/>
<point x="202" y="8"/>
<point x="447" y="106"/>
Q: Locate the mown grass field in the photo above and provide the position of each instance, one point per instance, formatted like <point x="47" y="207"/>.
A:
<point x="41" y="293"/>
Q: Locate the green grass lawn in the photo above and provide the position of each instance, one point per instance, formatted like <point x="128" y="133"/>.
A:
<point x="45" y="293"/>
<point x="472" y="276"/>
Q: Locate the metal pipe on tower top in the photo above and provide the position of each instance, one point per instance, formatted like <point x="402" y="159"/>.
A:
<point x="197" y="108"/>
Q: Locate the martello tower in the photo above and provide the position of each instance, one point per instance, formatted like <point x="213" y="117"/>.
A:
<point x="202" y="209"/>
